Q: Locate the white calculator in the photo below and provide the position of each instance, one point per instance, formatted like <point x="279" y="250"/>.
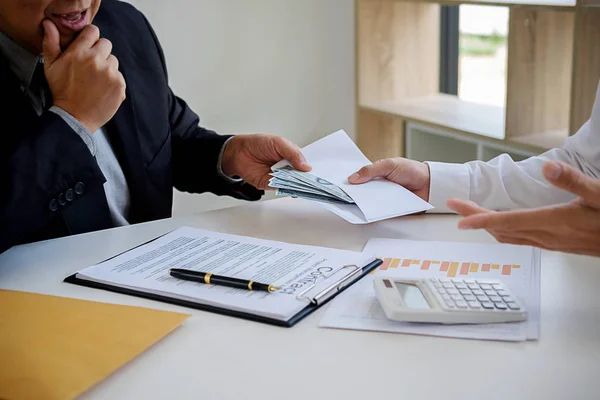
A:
<point x="447" y="301"/>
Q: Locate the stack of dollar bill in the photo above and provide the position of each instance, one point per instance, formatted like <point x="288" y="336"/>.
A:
<point x="293" y="183"/>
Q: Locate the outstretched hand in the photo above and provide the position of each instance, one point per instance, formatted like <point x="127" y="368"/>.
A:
<point x="252" y="156"/>
<point x="572" y="227"/>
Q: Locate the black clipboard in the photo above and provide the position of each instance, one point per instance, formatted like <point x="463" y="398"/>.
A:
<point x="314" y="303"/>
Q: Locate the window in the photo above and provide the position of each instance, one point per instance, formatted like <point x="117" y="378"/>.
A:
<point x="474" y="53"/>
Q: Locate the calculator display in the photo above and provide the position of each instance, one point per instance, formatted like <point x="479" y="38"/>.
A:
<point x="412" y="295"/>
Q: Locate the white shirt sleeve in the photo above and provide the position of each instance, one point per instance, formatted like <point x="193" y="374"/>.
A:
<point x="229" y="179"/>
<point x="78" y="127"/>
<point x="502" y="184"/>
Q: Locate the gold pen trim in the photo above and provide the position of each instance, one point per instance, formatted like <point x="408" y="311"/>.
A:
<point x="250" y="285"/>
<point x="273" y="288"/>
<point x="207" y="278"/>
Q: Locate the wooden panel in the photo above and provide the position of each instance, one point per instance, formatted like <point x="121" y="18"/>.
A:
<point x="546" y="141"/>
<point x="398" y="50"/>
<point x="424" y="145"/>
<point x="558" y="4"/>
<point x="586" y="68"/>
<point x="590" y="3"/>
<point x="540" y="63"/>
<point x="448" y="111"/>
<point x="380" y="135"/>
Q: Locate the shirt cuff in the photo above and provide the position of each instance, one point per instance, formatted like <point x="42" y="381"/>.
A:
<point x="78" y="127"/>
<point x="220" y="169"/>
<point x="447" y="181"/>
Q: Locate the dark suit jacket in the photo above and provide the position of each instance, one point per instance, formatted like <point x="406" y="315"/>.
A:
<point x="50" y="183"/>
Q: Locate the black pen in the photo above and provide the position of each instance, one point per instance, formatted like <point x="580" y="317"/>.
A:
<point x="212" y="279"/>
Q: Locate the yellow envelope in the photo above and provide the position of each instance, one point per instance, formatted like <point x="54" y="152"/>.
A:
<point x="56" y="348"/>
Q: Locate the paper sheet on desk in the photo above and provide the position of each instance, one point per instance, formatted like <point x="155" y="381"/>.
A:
<point x="359" y="309"/>
<point x="334" y="158"/>
<point x="56" y="348"/>
<point x="291" y="267"/>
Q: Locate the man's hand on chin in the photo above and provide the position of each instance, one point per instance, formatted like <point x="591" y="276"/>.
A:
<point x="84" y="79"/>
<point x="251" y="157"/>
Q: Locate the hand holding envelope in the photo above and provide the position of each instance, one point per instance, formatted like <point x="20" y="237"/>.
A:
<point x="334" y="158"/>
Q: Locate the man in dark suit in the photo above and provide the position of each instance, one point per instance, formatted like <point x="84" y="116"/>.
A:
<point x="92" y="135"/>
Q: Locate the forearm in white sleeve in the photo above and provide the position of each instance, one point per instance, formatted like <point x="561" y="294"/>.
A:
<point x="502" y="184"/>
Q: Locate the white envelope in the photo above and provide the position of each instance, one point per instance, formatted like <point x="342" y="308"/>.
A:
<point x="336" y="157"/>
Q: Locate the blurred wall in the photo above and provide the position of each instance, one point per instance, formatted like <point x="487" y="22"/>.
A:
<point x="269" y="66"/>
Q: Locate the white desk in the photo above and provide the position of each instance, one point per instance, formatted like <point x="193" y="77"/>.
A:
<point x="216" y="357"/>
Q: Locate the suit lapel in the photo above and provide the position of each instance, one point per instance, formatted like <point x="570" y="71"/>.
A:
<point x="123" y="128"/>
<point x="15" y="105"/>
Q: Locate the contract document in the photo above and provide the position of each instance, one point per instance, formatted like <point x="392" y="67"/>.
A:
<point x="301" y="272"/>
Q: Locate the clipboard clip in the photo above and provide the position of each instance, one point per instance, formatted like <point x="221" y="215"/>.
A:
<point x="333" y="287"/>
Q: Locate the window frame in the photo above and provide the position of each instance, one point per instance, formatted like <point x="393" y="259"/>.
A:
<point x="449" y="49"/>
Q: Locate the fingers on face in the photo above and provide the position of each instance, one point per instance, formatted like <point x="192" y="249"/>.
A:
<point x="51" y="43"/>
<point x="86" y="39"/>
<point x="103" y="48"/>
<point x="113" y="62"/>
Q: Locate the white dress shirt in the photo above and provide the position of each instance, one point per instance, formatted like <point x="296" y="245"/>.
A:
<point x="502" y="184"/>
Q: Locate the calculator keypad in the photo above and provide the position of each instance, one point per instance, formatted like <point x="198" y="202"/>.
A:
<point x="482" y="295"/>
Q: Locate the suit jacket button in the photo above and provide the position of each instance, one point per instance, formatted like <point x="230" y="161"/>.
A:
<point x="53" y="205"/>
<point x="79" y="188"/>
<point x="69" y="195"/>
<point x="61" y="199"/>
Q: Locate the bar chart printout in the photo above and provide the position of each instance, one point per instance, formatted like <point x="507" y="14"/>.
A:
<point x="517" y="266"/>
<point x="451" y="269"/>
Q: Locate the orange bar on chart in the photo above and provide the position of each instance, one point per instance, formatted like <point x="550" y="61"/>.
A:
<point x="406" y="263"/>
<point x="444" y="266"/>
<point x="416" y="262"/>
<point x="453" y="269"/>
<point x="425" y="264"/>
<point x="435" y="262"/>
<point x="516" y="266"/>
<point x="395" y="263"/>
<point x="474" y="267"/>
<point x="495" y="266"/>
<point x="386" y="264"/>
<point x="506" y="269"/>
<point x="464" y="268"/>
<point x="485" y="268"/>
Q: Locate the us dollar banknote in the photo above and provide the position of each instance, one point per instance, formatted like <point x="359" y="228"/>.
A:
<point x="288" y="173"/>
<point x="309" y="196"/>
<point x="279" y="183"/>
